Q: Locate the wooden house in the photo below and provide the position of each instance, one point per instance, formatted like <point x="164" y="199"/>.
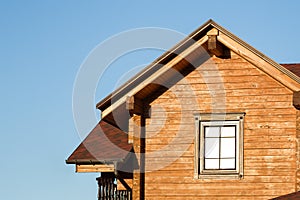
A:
<point x="212" y="118"/>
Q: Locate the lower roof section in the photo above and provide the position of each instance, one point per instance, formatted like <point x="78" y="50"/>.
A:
<point x="291" y="196"/>
<point x="295" y="68"/>
<point x="105" y="144"/>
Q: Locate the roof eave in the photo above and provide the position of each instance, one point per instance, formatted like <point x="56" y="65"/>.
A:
<point x="94" y="162"/>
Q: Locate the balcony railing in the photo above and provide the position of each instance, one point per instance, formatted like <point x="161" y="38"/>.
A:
<point x="107" y="188"/>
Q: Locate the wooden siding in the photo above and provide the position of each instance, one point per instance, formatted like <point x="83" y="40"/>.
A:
<point x="298" y="151"/>
<point x="222" y="85"/>
<point x="95" y="168"/>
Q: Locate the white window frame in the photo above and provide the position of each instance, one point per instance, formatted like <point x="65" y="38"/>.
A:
<point x="218" y="119"/>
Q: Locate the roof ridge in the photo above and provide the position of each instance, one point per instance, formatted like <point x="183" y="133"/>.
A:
<point x="294" y="63"/>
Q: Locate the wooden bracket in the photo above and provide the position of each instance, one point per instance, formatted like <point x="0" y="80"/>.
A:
<point x="296" y="100"/>
<point x="126" y="184"/>
<point x="213" y="32"/>
<point x="214" y="46"/>
<point x="136" y="106"/>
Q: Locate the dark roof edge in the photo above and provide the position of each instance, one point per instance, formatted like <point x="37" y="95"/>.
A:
<point x="290" y="196"/>
<point x="93" y="162"/>
<point x="291" y="63"/>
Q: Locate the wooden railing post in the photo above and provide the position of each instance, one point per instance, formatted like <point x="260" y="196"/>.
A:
<point x="106" y="186"/>
<point x="107" y="189"/>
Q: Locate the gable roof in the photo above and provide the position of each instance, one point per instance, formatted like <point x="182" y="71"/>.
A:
<point x="184" y="48"/>
<point x="104" y="144"/>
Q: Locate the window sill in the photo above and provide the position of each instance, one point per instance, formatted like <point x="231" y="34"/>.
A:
<point x="220" y="176"/>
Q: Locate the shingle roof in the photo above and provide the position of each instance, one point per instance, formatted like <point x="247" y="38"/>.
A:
<point x="291" y="196"/>
<point x="104" y="144"/>
<point x="295" y="68"/>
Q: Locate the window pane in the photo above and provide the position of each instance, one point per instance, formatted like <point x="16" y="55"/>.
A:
<point x="227" y="147"/>
<point x="212" y="131"/>
<point x="228" y="131"/>
<point x="212" y="148"/>
<point x="227" y="163"/>
<point x="211" y="164"/>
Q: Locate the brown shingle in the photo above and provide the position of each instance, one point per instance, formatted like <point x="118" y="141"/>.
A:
<point x="292" y="196"/>
<point x="105" y="143"/>
<point x="295" y="68"/>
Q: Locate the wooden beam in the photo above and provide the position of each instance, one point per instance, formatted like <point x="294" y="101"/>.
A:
<point x="137" y="106"/>
<point x="134" y="105"/>
<point x="95" y="168"/>
<point x="296" y="100"/>
<point x="213" y="32"/>
<point x="212" y="42"/>
<point x="130" y="103"/>
<point x="214" y="46"/>
<point x="138" y="184"/>
<point x="297" y="185"/>
<point x="124" y="184"/>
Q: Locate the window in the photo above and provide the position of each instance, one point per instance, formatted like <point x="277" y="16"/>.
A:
<point x="219" y="145"/>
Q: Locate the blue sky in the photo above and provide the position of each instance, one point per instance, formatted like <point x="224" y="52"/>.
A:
<point x="44" y="43"/>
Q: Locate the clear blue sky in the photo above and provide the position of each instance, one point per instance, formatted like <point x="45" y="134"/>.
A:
<point x="42" y="45"/>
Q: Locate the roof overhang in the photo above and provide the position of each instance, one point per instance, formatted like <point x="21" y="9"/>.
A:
<point x="103" y="149"/>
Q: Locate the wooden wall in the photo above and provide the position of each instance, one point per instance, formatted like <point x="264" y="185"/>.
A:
<point x="222" y="85"/>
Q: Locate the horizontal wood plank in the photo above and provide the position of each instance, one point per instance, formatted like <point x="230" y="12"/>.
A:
<point x="94" y="168"/>
<point x="222" y="85"/>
